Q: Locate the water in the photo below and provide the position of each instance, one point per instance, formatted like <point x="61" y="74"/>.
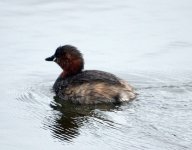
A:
<point x="148" y="43"/>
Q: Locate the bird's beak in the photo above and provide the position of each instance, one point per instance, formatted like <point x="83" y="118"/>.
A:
<point x="52" y="58"/>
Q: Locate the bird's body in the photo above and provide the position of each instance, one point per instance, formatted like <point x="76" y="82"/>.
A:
<point x="89" y="86"/>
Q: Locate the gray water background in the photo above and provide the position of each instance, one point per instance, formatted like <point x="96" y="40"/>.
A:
<point x="146" y="42"/>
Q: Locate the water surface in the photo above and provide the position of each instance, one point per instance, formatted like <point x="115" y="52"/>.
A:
<point x="147" y="43"/>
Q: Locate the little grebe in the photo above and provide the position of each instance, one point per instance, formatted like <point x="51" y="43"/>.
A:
<point x="89" y="86"/>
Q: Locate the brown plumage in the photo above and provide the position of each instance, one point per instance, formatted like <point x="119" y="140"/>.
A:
<point x="89" y="86"/>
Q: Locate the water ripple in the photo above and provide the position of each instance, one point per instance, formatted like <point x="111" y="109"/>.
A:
<point x="156" y="117"/>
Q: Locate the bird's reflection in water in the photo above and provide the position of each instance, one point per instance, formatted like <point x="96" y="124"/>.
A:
<point x="68" y="118"/>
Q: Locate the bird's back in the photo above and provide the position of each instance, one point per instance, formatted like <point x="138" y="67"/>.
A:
<point x="93" y="87"/>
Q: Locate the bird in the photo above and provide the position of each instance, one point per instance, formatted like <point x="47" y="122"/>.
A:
<point x="80" y="86"/>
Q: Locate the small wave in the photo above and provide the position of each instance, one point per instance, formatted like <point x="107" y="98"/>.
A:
<point x="158" y="113"/>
